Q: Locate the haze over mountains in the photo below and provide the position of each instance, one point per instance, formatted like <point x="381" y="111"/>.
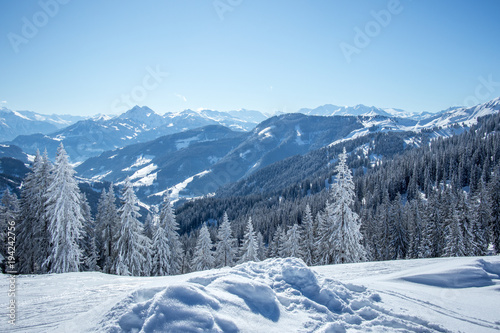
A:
<point x="194" y="153"/>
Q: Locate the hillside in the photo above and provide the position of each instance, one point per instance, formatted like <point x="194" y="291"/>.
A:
<point x="277" y="295"/>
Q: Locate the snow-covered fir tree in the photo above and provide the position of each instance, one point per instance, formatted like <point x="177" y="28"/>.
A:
<point x="225" y="254"/>
<point x="107" y="227"/>
<point x="88" y="241"/>
<point x="454" y="239"/>
<point x="319" y="221"/>
<point x="416" y="229"/>
<point x="32" y="230"/>
<point x="292" y="244"/>
<point x="307" y="240"/>
<point x="399" y="231"/>
<point x="168" y="220"/>
<point x="161" y="252"/>
<point x="249" y="247"/>
<point x="203" y="258"/>
<point x="276" y="247"/>
<point x="341" y="228"/>
<point x="282" y="238"/>
<point x="163" y="258"/>
<point x="64" y="214"/>
<point x="132" y="245"/>
<point x="480" y="219"/>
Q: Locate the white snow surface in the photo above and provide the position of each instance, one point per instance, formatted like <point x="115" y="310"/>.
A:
<point x="277" y="295"/>
<point x="140" y="161"/>
<point x="175" y="191"/>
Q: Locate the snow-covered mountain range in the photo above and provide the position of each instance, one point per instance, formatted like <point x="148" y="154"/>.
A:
<point x="91" y="137"/>
<point x="14" y="123"/>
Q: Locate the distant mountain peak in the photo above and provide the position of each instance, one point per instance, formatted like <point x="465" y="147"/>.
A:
<point x="138" y="112"/>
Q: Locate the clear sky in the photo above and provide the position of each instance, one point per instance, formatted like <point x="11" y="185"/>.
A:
<point x="89" y="57"/>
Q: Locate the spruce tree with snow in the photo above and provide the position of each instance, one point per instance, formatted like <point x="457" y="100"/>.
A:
<point x="276" y="246"/>
<point x="203" y="258"/>
<point x="454" y="239"/>
<point x="470" y="246"/>
<point x="87" y="242"/>
<point x="167" y="219"/>
<point x="307" y="240"/>
<point x="433" y="235"/>
<point x="416" y="229"/>
<point x="282" y="238"/>
<point x="341" y="228"/>
<point x="480" y="218"/>
<point x="320" y="247"/>
<point x="293" y="241"/>
<point x="249" y="247"/>
<point x="32" y="230"/>
<point x="161" y="252"/>
<point x="399" y="231"/>
<point x="65" y="218"/>
<point x="107" y="227"/>
<point x="225" y="254"/>
<point x="131" y="246"/>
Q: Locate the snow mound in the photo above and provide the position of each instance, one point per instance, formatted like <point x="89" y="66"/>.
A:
<point x="277" y="295"/>
<point x="480" y="273"/>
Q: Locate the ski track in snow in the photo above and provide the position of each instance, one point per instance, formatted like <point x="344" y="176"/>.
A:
<point x="277" y="295"/>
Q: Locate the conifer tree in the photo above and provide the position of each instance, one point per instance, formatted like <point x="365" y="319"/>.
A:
<point x="107" y="227"/>
<point x="282" y="251"/>
<point x="203" y="258"/>
<point x="161" y="252"/>
<point x="276" y="245"/>
<point x="131" y="245"/>
<point x="308" y="236"/>
<point x="249" y="247"/>
<point x="65" y="218"/>
<point x="454" y="239"/>
<point x="399" y="233"/>
<point x="168" y="220"/>
<point x="292" y="243"/>
<point x="88" y="243"/>
<point x="225" y="254"/>
<point x="341" y="230"/>
<point x="32" y="230"/>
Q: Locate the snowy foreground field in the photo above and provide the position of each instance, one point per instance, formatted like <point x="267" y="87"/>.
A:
<point x="277" y="295"/>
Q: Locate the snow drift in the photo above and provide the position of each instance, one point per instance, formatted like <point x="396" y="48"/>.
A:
<point x="274" y="295"/>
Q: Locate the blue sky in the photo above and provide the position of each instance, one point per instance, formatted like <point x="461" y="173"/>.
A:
<point x="89" y="57"/>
